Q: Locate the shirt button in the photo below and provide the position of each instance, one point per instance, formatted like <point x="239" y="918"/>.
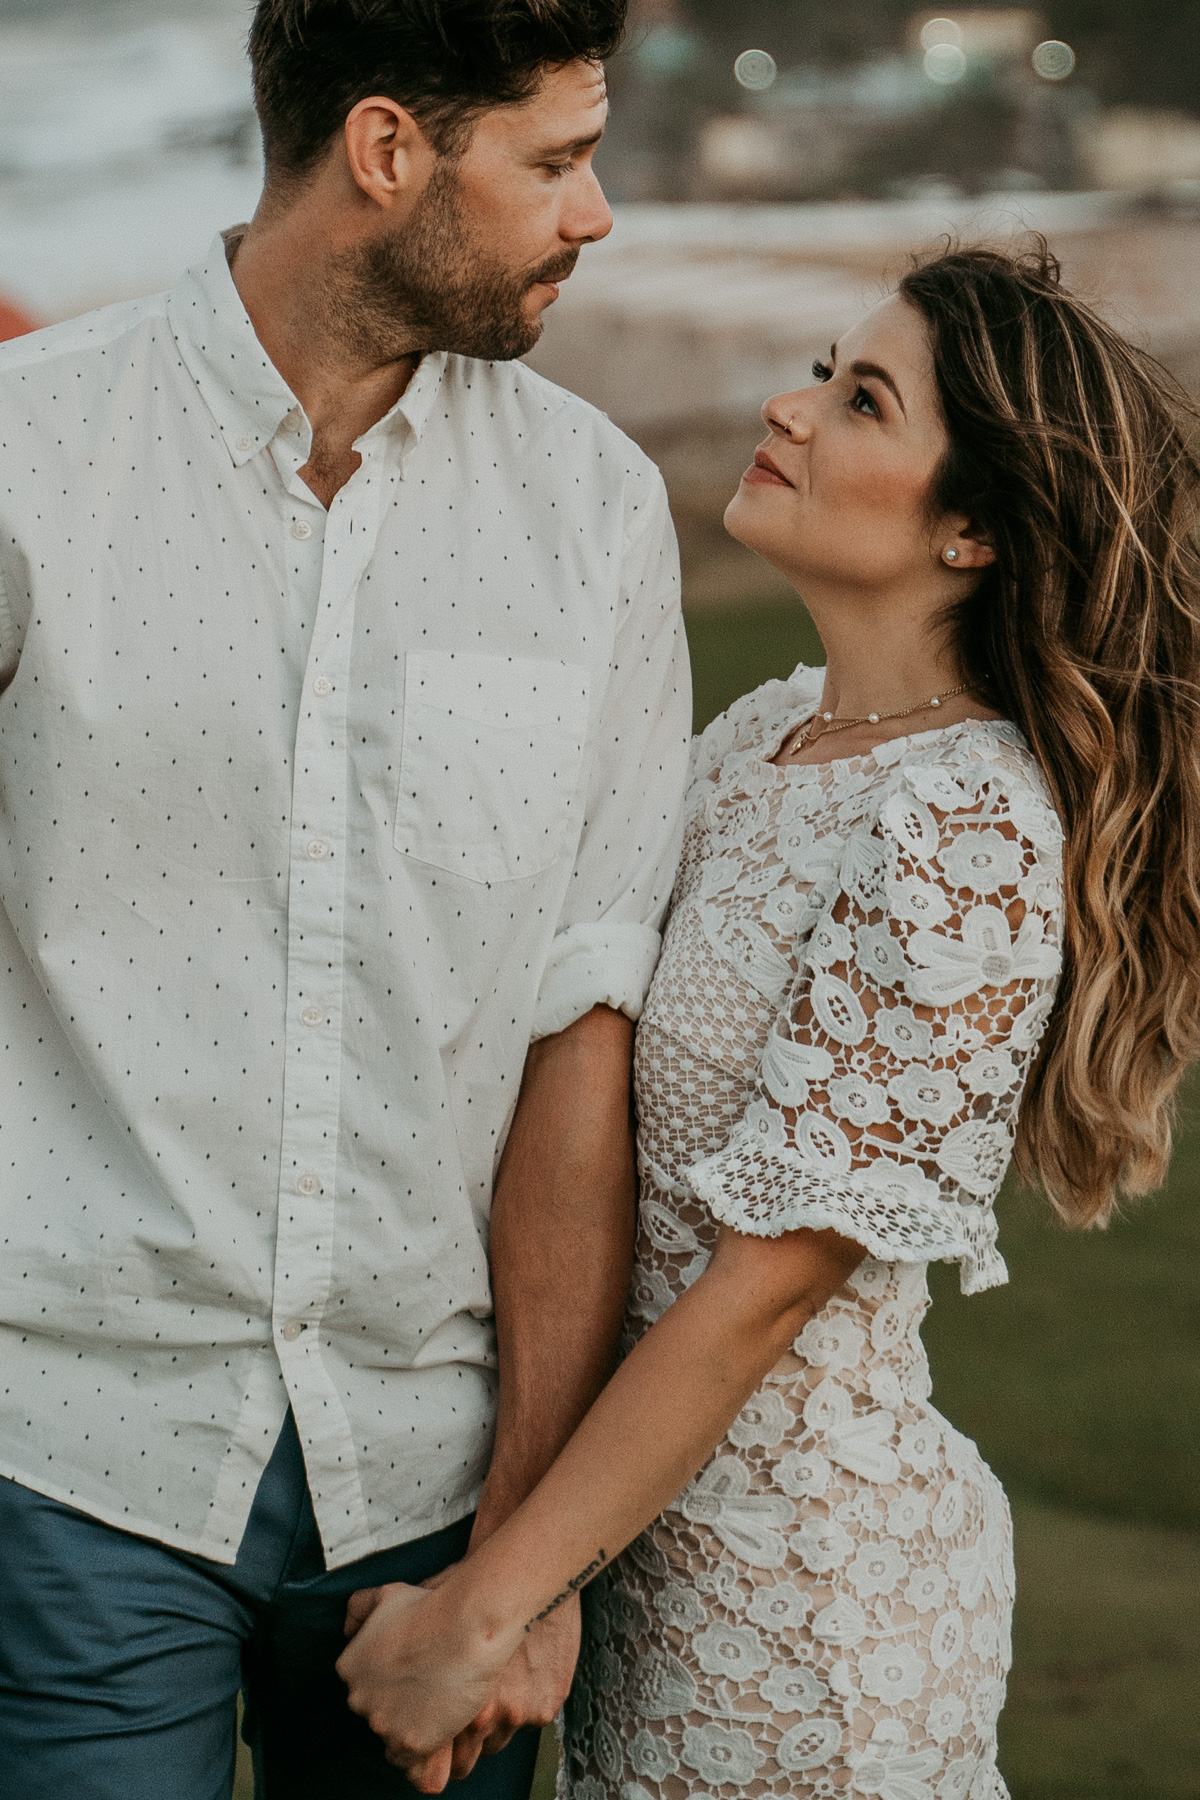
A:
<point x="292" y="1330"/>
<point x="322" y="686"/>
<point x="308" y="1184"/>
<point x="312" y="1015"/>
<point x="302" y="529"/>
<point x="317" y="851"/>
<point x="245" y="443"/>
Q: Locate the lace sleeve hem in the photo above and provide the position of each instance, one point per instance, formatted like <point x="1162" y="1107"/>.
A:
<point x="890" y="1208"/>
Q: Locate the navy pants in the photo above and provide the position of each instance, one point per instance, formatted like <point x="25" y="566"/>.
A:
<point x="121" y="1660"/>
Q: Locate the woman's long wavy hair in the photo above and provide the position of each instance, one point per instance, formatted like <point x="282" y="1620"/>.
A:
<point x="1070" y="450"/>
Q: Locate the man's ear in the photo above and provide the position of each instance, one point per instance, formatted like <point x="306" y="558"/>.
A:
<point x="390" y="156"/>
<point x="962" y="543"/>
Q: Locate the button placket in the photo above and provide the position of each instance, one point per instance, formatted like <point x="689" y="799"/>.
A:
<point x="316" y="902"/>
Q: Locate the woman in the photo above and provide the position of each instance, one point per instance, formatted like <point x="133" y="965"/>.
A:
<point x="936" y="900"/>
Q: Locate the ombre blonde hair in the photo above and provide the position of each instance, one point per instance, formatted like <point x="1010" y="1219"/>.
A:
<point x="1069" y="449"/>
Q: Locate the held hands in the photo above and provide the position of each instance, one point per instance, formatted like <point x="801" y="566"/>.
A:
<point x="440" y="1693"/>
<point x="417" y="1675"/>
<point x="529" y="1690"/>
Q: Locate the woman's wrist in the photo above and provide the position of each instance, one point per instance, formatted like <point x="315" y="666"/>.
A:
<point x="484" y="1612"/>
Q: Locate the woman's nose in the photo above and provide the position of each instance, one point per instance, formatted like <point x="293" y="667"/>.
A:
<point x="784" y="413"/>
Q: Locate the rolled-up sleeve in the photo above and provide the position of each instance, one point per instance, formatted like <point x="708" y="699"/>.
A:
<point x="607" y="938"/>
<point x="9" y="647"/>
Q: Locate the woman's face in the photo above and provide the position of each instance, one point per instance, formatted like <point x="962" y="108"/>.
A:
<point x="837" y="497"/>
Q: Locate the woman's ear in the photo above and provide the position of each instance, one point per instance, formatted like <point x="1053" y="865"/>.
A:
<point x="961" y="543"/>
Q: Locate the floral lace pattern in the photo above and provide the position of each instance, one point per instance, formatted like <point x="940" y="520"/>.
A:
<point x="859" y="964"/>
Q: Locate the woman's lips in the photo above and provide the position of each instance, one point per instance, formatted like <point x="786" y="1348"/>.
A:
<point x="764" y="473"/>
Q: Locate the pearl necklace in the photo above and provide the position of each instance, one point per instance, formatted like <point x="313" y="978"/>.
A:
<point x="801" y="737"/>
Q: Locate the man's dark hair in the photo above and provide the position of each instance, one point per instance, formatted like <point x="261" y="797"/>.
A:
<point x="447" y="61"/>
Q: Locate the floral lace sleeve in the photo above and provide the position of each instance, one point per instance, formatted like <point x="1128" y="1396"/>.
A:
<point x="888" y="1091"/>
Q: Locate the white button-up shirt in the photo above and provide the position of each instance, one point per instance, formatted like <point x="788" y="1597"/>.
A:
<point x="308" y="823"/>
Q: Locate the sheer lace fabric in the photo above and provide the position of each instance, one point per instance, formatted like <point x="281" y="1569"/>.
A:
<point x="858" y="967"/>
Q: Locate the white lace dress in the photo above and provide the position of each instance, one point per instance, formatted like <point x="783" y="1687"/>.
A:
<point x="858" y="967"/>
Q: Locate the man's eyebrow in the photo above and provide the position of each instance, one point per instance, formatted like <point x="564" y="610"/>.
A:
<point x="880" y="374"/>
<point x="576" y="144"/>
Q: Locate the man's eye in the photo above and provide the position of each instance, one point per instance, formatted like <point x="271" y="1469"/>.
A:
<point x="559" y="169"/>
<point x="822" y="370"/>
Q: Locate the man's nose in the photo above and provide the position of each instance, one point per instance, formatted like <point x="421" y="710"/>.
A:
<point x="589" y="216"/>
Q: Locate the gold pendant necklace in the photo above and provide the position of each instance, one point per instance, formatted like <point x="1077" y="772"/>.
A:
<point x="804" y="735"/>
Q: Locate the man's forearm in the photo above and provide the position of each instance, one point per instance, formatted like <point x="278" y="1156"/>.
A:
<point x="561" y="1249"/>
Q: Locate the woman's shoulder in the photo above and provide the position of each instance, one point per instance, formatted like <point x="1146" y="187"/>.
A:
<point x="755" y="718"/>
<point x="980" y="765"/>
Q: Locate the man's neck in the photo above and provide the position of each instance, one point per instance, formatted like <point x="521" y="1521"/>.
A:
<point x="292" y="299"/>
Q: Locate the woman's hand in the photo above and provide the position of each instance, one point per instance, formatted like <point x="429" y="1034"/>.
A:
<point x="419" y="1674"/>
<point x="529" y="1691"/>
<point x="426" y="1663"/>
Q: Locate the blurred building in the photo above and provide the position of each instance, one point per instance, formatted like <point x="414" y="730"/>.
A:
<point x="897" y="102"/>
<point x="1144" y="150"/>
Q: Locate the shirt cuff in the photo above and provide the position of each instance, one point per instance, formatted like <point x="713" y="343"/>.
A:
<point x="595" y="965"/>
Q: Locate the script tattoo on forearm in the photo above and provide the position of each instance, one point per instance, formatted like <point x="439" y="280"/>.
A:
<point x="573" y="1586"/>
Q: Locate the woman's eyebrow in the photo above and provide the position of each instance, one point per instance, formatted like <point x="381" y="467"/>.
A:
<point x="880" y="374"/>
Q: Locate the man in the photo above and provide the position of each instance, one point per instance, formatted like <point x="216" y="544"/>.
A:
<point x="342" y="741"/>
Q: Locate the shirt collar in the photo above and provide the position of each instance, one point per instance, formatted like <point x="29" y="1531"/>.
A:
<point x="244" y="391"/>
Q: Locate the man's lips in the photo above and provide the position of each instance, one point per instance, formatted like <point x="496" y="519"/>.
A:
<point x="552" y="277"/>
<point x="763" y="472"/>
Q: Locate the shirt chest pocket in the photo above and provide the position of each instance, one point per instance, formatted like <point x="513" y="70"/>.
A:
<point x="490" y="763"/>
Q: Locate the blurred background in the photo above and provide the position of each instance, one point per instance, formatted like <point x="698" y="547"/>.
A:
<point x="773" y="164"/>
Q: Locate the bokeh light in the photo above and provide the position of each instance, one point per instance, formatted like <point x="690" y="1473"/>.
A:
<point x="941" y="31"/>
<point x="1054" y="60"/>
<point x="755" y="69"/>
<point x="945" y="63"/>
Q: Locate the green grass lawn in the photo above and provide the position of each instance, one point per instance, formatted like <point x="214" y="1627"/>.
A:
<point x="1081" y="1383"/>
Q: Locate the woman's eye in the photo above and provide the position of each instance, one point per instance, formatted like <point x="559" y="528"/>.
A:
<point x="862" y="402"/>
<point x="822" y="370"/>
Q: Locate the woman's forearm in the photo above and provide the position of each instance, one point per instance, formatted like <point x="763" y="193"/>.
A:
<point x="423" y="1663"/>
<point x="655" y="1424"/>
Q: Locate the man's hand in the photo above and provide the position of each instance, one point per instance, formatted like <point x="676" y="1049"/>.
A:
<point x="529" y="1691"/>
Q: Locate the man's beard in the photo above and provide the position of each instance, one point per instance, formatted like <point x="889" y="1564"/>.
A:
<point x="429" y="287"/>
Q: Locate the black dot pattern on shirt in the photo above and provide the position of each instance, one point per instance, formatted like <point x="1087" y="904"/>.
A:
<point x="262" y="1022"/>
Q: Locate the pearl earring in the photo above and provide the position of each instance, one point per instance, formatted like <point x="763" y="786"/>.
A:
<point x="951" y="555"/>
